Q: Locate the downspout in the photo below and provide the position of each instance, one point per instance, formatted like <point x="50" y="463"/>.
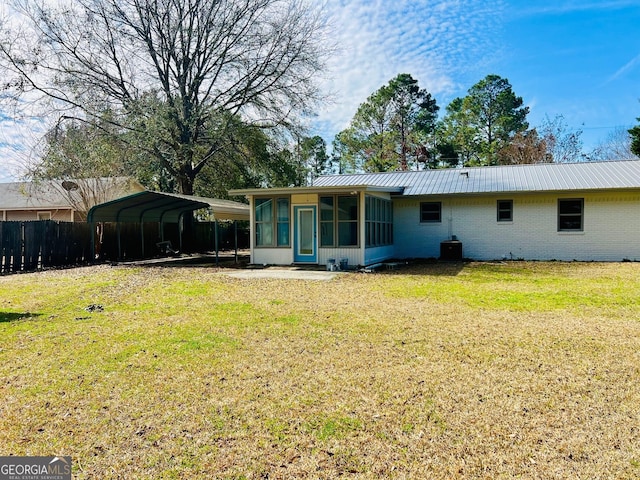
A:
<point x="450" y="220"/>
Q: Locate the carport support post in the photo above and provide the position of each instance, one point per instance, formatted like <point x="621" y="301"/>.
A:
<point x="235" y="234"/>
<point x="180" y="218"/>
<point x="119" y="242"/>
<point x="142" y="238"/>
<point x="92" y="226"/>
<point x="216" y="240"/>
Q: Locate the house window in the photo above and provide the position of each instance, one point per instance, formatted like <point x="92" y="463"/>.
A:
<point x="378" y="222"/>
<point x="272" y="220"/>
<point x="431" y="212"/>
<point x="505" y="210"/>
<point x="570" y="215"/>
<point x="326" y="222"/>
<point x="282" y="222"/>
<point x="44" y="215"/>
<point x="339" y="221"/>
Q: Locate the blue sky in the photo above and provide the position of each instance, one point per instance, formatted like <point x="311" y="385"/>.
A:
<point x="579" y="59"/>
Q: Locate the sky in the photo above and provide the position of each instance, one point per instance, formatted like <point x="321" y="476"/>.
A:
<point x="575" y="58"/>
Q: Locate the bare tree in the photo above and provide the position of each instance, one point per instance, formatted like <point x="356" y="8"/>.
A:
<point x="83" y="193"/>
<point x="616" y="146"/>
<point x="170" y="73"/>
<point x="563" y="144"/>
<point x="525" y="147"/>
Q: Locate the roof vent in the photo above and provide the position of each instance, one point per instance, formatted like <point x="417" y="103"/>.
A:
<point x="465" y="174"/>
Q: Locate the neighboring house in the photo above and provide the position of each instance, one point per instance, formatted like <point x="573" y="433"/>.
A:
<point x="580" y="211"/>
<point x="67" y="200"/>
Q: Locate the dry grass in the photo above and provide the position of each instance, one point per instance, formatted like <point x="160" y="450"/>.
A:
<point x="516" y="370"/>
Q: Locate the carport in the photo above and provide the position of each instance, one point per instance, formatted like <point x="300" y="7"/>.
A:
<point x="148" y="206"/>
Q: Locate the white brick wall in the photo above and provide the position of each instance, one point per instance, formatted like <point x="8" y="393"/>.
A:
<point x="611" y="228"/>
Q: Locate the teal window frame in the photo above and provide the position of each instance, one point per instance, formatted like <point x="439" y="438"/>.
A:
<point x="327" y="222"/>
<point x="272" y="219"/>
<point x="378" y="221"/>
<point x="339" y="221"/>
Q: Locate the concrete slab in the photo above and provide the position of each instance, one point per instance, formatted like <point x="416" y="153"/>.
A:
<point x="278" y="273"/>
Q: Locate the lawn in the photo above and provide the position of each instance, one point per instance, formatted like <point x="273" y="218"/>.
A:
<point x="478" y="370"/>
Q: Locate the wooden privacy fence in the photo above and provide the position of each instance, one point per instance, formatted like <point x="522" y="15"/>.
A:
<point x="28" y="246"/>
<point x="35" y="245"/>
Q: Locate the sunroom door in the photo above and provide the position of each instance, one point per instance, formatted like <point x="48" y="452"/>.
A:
<point x="305" y="244"/>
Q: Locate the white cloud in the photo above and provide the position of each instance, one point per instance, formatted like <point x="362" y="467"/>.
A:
<point x="11" y="149"/>
<point x="439" y="42"/>
<point x="19" y="137"/>
<point x="447" y="45"/>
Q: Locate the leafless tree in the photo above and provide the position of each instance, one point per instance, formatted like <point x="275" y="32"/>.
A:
<point x="563" y="144"/>
<point x="83" y="193"/>
<point x="525" y="147"/>
<point x="616" y="146"/>
<point x="171" y="74"/>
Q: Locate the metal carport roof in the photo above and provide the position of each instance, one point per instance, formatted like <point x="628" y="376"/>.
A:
<point x="151" y="206"/>
<point x="161" y="207"/>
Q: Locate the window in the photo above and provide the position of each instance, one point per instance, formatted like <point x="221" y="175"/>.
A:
<point x="326" y="222"/>
<point x="505" y="210"/>
<point x="347" y="221"/>
<point x="272" y="222"/>
<point x="264" y="221"/>
<point x="431" y="212"/>
<point x="378" y="222"/>
<point x="570" y="215"/>
<point x="44" y="215"/>
<point x="282" y="222"/>
<point x="339" y="221"/>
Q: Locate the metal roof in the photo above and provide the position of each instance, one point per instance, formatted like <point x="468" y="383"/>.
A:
<point x="316" y="189"/>
<point x="150" y="206"/>
<point x="501" y="179"/>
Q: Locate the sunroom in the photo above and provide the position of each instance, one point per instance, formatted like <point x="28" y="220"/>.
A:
<point x="351" y="225"/>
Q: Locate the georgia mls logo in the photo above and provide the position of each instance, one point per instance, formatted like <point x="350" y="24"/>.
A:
<point x="35" y="468"/>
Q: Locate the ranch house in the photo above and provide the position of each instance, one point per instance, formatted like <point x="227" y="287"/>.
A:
<point x="580" y="211"/>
